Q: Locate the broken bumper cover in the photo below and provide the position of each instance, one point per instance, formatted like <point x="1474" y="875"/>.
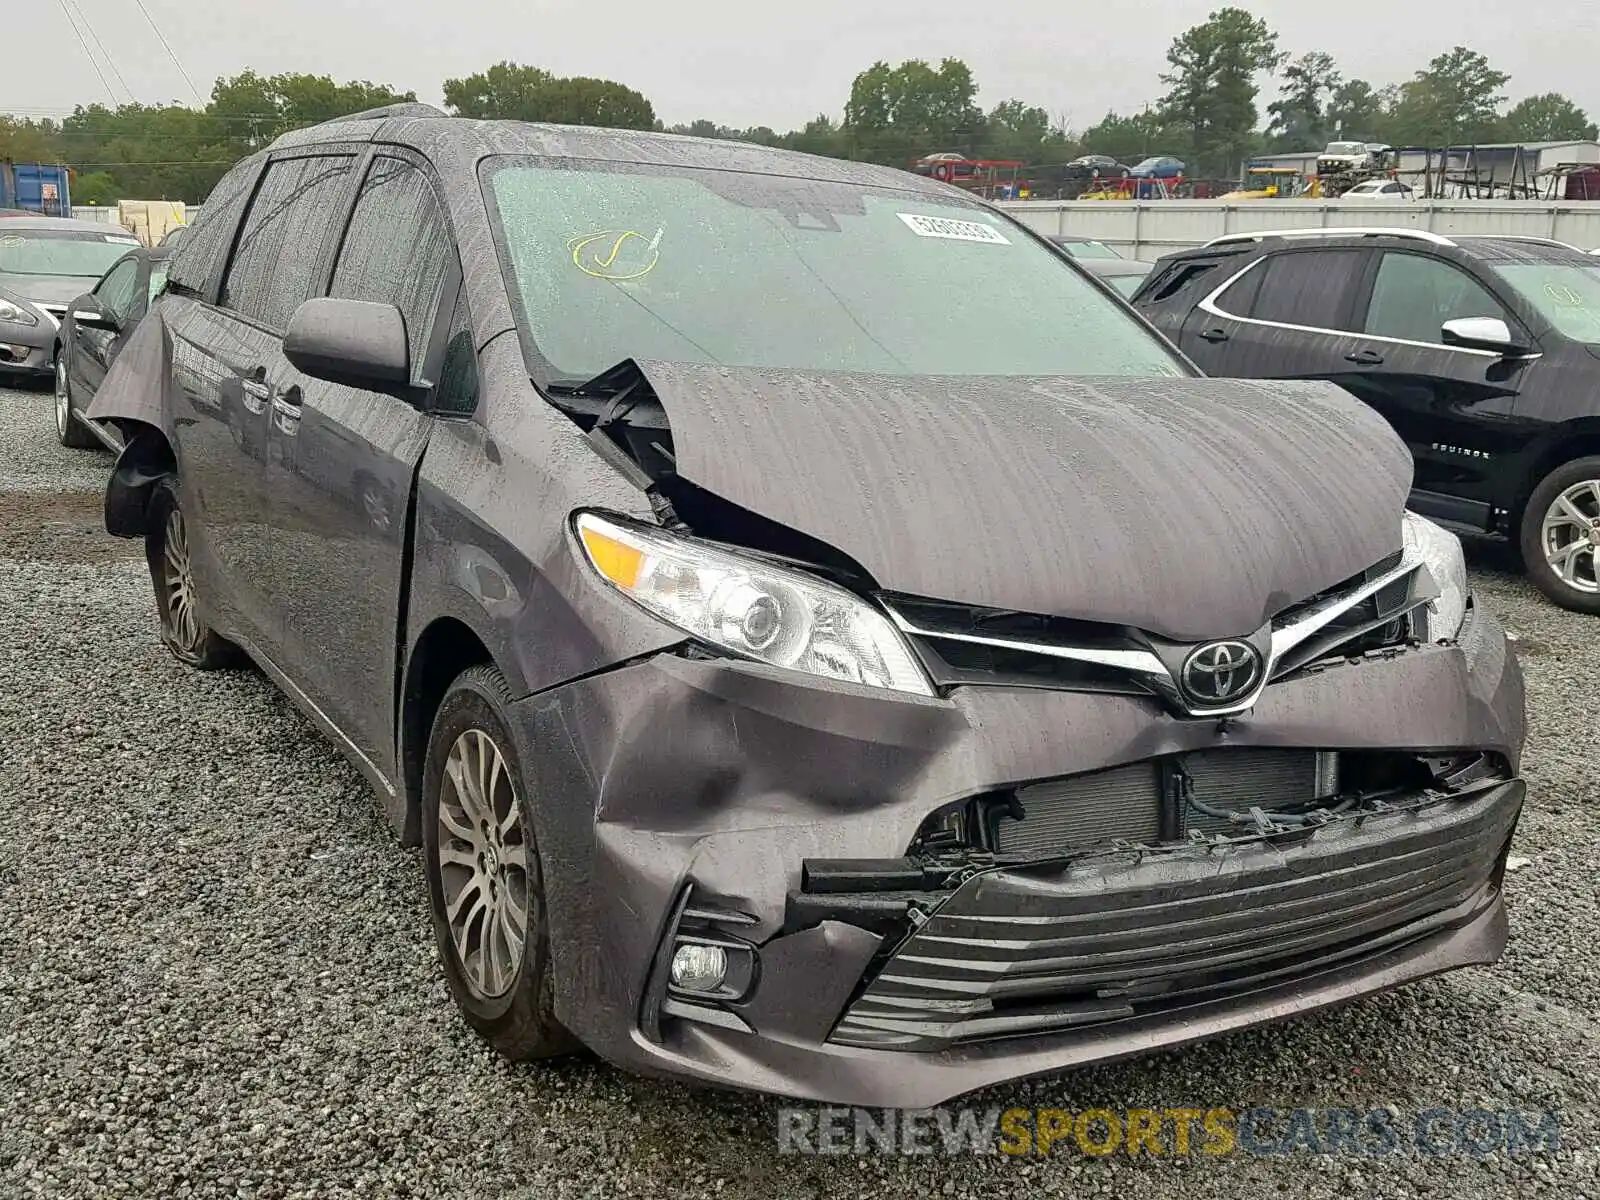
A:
<point x="695" y="793"/>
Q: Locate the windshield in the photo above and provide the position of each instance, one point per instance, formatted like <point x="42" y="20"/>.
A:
<point x="1126" y="284"/>
<point x="1346" y="148"/>
<point x="612" y="261"/>
<point x="65" y="252"/>
<point x="1566" y="294"/>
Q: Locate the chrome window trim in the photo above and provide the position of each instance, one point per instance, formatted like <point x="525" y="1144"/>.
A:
<point x="1208" y="305"/>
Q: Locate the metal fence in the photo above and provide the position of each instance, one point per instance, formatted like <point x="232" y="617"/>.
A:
<point x="1150" y="229"/>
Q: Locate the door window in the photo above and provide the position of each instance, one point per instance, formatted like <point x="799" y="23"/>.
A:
<point x="274" y="266"/>
<point x="1308" y="287"/>
<point x="204" y="243"/>
<point x="397" y="249"/>
<point x="116" y="291"/>
<point x="1413" y="296"/>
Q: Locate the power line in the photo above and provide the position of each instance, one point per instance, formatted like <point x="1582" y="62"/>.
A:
<point x="156" y="29"/>
<point x="87" y="53"/>
<point x="104" y="53"/>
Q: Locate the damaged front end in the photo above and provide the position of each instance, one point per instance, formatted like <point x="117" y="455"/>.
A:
<point x="953" y="842"/>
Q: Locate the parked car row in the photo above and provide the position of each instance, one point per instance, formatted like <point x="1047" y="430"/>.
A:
<point x="804" y="672"/>
<point x="1482" y="352"/>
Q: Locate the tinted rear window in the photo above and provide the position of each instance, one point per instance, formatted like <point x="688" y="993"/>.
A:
<point x="1306" y="287"/>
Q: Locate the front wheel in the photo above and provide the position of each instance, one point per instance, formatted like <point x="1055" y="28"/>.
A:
<point x="166" y="548"/>
<point x="485" y="886"/>
<point x="69" y="426"/>
<point x="1560" y="535"/>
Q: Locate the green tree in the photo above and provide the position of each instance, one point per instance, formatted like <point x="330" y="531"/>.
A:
<point x="1356" y="113"/>
<point x="1548" y="117"/>
<point x="1023" y="132"/>
<point x="97" y="187"/>
<point x="1456" y="101"/>
<point x="1128" y="139"/>
<point x="1212" y="89"/>
<point x="896" y="114"/>
<point x="29" y="141"/>
<point x="1300" y="113"/>
<point x="509" y="91"/>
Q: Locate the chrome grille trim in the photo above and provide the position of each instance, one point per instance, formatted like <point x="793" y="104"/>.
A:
<point x="1147" y="667"/>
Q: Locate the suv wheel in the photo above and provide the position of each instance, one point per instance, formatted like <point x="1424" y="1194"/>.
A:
<point x="166" y="549"/>
<point x="485" y="886"/>
<point x="69" y="429"/>
<point x="1560" y="536"/>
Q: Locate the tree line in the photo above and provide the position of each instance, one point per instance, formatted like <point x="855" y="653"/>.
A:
<point x="1208" y="115"/>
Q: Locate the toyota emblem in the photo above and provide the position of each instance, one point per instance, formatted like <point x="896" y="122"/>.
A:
<point x="1222" y="672"/>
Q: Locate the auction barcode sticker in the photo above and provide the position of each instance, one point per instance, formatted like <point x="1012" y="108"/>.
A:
<point x="948" y="227"/>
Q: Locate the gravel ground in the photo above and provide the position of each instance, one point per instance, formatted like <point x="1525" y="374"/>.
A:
<point x="216" y="977"/>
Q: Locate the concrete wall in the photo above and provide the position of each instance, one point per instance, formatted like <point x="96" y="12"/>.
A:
<point x="1150" y="229"/>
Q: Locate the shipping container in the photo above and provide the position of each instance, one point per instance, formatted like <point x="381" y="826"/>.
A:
<point x="36" y="187"/>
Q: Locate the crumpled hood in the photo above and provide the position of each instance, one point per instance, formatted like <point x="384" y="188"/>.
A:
<point x="1190" y="508"/>
<point x="47" y="289"/>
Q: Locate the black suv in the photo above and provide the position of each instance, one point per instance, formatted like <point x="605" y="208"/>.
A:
<point x="1483" y="352"/>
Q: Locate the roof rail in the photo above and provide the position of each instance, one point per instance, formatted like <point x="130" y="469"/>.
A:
<point x="1524" y="237"/>
<point x="405" y="108"/>
<point x="1420" y="235"/>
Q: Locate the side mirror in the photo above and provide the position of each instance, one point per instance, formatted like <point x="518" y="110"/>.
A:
<point x="88" y="312"/>
<point x="1481" y="333"/>
<point x="358" y="343"/>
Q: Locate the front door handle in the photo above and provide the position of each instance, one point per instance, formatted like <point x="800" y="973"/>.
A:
<point x="1214" y="335"/>
<point x="256" y="389"/>
<point x="1366" y="358"/>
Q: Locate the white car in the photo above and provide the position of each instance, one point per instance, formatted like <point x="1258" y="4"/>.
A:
<point x="1380" y="189"/>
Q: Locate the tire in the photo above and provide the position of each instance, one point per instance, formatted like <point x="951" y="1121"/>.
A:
<point x="166" y="550"/>
<point x="505" y="992"/>
<point x="1564" y="513"/>
<point x="69" y="426"/>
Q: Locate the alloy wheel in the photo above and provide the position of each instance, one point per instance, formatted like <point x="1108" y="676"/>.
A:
<point x="63" y="405"/>
<point x="483" y="864"/>
<point x="1570" y="536"/>
<point x="178" y="581"/>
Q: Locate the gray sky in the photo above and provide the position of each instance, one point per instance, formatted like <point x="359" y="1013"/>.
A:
<point x="727" y="60"/>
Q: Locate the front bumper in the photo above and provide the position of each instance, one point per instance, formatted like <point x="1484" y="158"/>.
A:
<point x="28" y="349"/>
<point x="728" y="777"/>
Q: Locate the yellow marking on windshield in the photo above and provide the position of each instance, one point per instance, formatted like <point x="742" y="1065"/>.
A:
<point x="596" y="254"/>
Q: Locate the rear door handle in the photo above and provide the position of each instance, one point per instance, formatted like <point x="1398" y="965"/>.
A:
<point x="1367" y="358"/>
<point x="1214" y="335"/>
<point x="256" y="389"/>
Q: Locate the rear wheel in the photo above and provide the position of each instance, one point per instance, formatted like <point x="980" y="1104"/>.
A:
<point x="69" y="426"/>
<point x="1560" y="535"/>
<point x="485" y="886"/>
<point x="166" y="548"/>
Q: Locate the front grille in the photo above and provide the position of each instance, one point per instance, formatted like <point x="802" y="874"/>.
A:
<point x="1147" y="801"/>
<point x="1029" y="950"/>
<point x="960" y="645"/>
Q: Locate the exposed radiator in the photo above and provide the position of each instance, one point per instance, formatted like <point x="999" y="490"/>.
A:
<point x="1083" y="811"/>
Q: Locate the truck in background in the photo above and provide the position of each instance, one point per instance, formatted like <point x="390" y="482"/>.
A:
<point x="43" y="188"/>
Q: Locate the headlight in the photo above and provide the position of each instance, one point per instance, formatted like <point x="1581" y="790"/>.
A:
<point x="15" y="313"/>
<point x="751" y="608"/>
<point x="1441" y="551"/>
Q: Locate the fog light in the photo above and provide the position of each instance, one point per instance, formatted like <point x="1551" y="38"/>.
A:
<point x="699" y="968"/>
